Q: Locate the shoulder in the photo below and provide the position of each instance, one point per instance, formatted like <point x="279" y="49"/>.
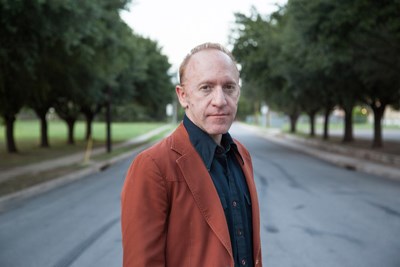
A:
<point x="169" y="148"/>
<point x="157" y="151"/>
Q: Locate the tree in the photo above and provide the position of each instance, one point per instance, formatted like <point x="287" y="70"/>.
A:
<point x="18" y="55"/>
<point x="362" y="39"/>
<point x="153" y="85"/>
<point x="376" y="42"/>
<point x="256" y="46"/>
<point x="87" y="60"/>
<point x="76" y="57"/>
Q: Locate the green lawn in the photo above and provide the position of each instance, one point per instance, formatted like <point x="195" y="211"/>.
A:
<point x="30" y="130"/>
<point x="27" y="136"/>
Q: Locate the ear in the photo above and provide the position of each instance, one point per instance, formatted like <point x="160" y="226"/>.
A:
<point x="182" y="96"/>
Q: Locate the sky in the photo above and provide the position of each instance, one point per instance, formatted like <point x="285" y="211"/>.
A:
<point x="179" y="25"/>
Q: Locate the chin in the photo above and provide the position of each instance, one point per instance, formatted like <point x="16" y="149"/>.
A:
<point x="218" y="129"/>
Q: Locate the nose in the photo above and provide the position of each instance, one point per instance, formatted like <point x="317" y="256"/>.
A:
<point x="219" y="97"/>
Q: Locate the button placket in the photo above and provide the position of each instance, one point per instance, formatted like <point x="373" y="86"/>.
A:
<point x="239" y="232"/>
<point x="238" y="222"/>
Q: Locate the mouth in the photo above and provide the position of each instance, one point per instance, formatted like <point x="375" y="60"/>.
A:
<point x="219" y="115"/>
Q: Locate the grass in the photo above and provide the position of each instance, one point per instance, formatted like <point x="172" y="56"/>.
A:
<point x="27" y="180"/>
<point x="121" y="132"/>
<point x="124" y="149"/>
<point x="30" y="130"/>
<point x="27" y="136"/>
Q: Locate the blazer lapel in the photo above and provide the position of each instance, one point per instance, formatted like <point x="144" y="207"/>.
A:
<point x="201" y="186"/>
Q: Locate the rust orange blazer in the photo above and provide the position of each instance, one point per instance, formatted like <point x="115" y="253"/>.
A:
<point x="171" y="213"/>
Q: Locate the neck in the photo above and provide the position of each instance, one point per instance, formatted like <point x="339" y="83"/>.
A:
<point x="217" y="138"/>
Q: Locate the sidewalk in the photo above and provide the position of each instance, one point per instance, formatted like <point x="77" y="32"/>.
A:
<point x="92" y="167"/>
<point x="363" y="160"/>
<point x="74" y="158"/>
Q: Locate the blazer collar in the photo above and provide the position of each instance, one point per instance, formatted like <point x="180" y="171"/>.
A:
<point x="205" y="145"/>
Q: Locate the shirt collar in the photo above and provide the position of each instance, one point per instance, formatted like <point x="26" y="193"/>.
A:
<point x="205" y="145"/>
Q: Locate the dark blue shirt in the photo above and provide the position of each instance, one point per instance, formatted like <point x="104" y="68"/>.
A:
<point x="230" y="183"/>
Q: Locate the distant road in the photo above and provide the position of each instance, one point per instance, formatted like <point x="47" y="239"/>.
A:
<point x="313" y="214"/>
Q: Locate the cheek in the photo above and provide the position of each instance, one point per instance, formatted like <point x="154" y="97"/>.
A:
<point x="233" y="101"/>
<point x="201" y="103"/>
<point x="237" y="98"/>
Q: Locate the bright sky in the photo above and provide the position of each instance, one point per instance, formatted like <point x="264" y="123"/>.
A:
<point x="179" y="25"/>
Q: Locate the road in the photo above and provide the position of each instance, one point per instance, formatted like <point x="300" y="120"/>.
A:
<point x="313" y="214"/>
<point x="316" y="214"/>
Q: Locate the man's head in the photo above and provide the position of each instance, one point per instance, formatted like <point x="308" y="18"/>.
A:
<point x="209" y="88"/>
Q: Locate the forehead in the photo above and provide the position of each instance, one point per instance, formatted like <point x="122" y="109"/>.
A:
<point x="211" y="62"/>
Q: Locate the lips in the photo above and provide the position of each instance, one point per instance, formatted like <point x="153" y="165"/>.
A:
<point x="218" y="115"/>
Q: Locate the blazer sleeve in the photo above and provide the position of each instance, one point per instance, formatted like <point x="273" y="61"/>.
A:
<point x="144" y="212"/>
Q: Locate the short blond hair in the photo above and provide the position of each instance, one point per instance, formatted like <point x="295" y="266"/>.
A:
<point x="201" y="47"/>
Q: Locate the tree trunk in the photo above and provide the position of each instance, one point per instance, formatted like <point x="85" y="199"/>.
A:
<point x="108" y="124"/>
<point x="293" y="122"/>
<point x="378" y="110"/>
<point x="89" y="114"/>
<point x="70" y="124"/>
<point x="44" y="138"/>
<point x="311" y="116"/>
<point x="89" y="122"/>
<point x="68" y="111"/>
<point x="11" y="146"/>
<point x="348" y="124"/>
<point x="326" y="124"/>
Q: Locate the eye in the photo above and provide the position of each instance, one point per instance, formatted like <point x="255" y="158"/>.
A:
<point x="205" y="88"/>
<point x="230" y="88"/>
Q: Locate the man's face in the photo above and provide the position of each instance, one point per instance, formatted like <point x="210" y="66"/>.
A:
<point x="210" y="91"/>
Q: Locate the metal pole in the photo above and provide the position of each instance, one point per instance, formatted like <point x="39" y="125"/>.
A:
<point x="108" y="120"/>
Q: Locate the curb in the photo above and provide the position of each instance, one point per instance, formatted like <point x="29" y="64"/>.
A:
<point x="13" y="198"/>
<point x="379" y="157"/>
<point x="375" y="163"/>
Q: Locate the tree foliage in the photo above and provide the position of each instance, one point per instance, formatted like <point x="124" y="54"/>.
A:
<point x="74" y="56"/>
<point x="312" y="55"/>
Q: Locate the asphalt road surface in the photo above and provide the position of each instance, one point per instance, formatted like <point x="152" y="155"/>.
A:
<point x="313" y="214"/>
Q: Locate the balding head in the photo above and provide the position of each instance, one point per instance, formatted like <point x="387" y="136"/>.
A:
<point x="202" y="47"/>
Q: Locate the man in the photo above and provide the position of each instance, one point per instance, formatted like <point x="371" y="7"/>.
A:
<point x="190" y="200"/>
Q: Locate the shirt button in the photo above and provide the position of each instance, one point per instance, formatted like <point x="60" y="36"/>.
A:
<point x="243" y="262"/>
<point x="239" y="232"/>
<point x="234" y="204"/>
